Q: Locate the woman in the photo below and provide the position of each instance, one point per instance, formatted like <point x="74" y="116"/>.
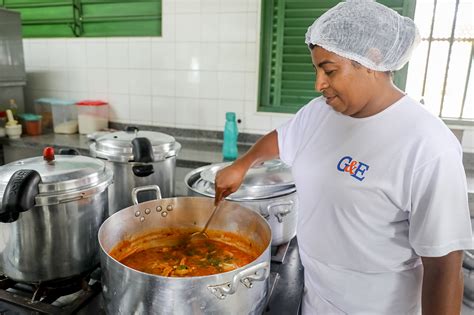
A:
<point x="383" y="214"/>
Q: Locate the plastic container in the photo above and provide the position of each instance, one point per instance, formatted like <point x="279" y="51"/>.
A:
<point x="64" y="117"/>
<point x="32" y="124"/>
<point x="43" y="108"/>
<point x="231" y="133"/>
<point x="93" y="116"/>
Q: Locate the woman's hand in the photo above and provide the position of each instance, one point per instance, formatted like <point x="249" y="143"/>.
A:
<point x="228" y="180"/>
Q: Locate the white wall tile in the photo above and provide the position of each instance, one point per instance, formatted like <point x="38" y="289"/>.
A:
<point x="57" y="53"/>
<point x="232" y="56"/>
<point x="96" y="53"/>
<point x="252" y="27"/>
<point x="97" y="80"/>
<point x="164" y="110"/>
<point x="209" y="27"/>
<point x="208" y="111"/>
<point x="208" y="85"/>
<point x="77" y="80"/>
<point x="233" y="6"/>
<point x="188" y="28"/>
<point x="187" y="6"/>
<point x="141" y="109"/>
<point x="209" y="56"/>
<point x="119" y="107"/>
<point x="258" y="122"/>
<point x="253" y="5"/>
<point x="187" y="112"/>
<point x="39" y="54"/>
<point x="210" y="6"/>
<point x="163" y="82"/>
<point x="78" y="96"/>
<point x="231" y="85"/>
<point x="251" y="58"/>
<point x="168" y="7"/>
<point x="76" y="53"/>
<point x="140" y="82"/>
<point x="168" y="29"/>
<point x="117" y="54"/>
<point x="187" y="56"/>
<point x="57" y="80"/>
<point x="139" y="54"/>
<point x="117" y="80"/>
<point x="233" y="27"/>
<point x="163" y="55"/>
<point x="187" y="84"/>
<point x="251" y="86"/>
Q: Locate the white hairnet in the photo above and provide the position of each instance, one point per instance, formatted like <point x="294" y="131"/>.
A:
<point x="367" y="32"/>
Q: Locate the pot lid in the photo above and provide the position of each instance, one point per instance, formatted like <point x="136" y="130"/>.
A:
<point x="122" y="146"/>
<point x="60" y="175"/>
<point x="270" y="179"/>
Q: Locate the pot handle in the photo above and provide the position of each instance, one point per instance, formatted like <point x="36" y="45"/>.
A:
<point x="142" y="150"/>
<point x="68" y="151"/>
<point x="19" y="195"/>
<point x="136" y="190"/>
<point x="280" y="214"/>
<point x="143" y="170"/>
<point x="259" y="272"/>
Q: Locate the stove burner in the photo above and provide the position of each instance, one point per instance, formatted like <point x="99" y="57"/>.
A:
<point x="46" y="297"/>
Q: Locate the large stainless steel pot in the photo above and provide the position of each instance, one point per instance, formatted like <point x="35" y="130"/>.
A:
<point x="268" y="189"/>
<point x="241" y="291"/>
<point x="137" y="158"/>
<point x="51" y="212"/>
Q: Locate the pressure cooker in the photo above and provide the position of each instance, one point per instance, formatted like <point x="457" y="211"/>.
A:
<point x="267" y="188"/>
<point x="51" y="210"/>
<point x="137" y="158"/>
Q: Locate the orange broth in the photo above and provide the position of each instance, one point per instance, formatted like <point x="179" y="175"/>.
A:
<point x="172" y="254"/>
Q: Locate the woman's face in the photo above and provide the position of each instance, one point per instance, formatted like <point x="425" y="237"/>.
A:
<point x="344" y="84"/>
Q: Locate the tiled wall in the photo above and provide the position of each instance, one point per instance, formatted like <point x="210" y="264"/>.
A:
<point x="206" y="63"/>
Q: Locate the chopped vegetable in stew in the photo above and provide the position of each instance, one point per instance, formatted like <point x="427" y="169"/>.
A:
<point x="179" y="257"/>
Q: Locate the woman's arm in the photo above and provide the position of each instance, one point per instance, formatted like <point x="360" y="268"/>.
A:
<point x="442" y="284"/>
<point x="229" y="179"/>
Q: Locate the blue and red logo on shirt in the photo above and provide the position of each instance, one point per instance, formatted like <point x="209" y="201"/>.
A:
<point x="354" y="168"/>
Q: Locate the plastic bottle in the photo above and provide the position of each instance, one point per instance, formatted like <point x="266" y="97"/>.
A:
<point x="13" y="107"/>
<point x="231" y="132"/>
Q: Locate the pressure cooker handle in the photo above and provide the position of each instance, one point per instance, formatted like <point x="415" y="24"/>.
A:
<point x="142" y="150"/>
<point x="19" y="194"/>
<point x="259" y="272"/>
<point x="143" y="170"/>
<point x="136" y="190"/>
<point x="131" y="129"/>
<point x="68" y="151"/>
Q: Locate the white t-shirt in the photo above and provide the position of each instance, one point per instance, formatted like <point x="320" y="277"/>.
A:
<point x="375" y="193"/>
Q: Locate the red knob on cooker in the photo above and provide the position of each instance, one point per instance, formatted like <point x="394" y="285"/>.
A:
<point x="48" y="154"/>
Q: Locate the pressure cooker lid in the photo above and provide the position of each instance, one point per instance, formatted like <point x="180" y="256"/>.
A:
<point x="60" y="174"/>
<point x="135" y="145"/>
<point x="270" y="179"/>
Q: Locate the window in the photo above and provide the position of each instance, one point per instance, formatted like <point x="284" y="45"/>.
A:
<point x="440" y="72"/>
<point x="87" y="18"/>
<point x="286" y="73"/>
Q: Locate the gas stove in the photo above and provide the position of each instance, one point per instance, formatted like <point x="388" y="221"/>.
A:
<point x="81" y="295"/>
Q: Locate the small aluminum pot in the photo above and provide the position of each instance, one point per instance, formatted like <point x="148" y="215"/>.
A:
<point x="279" y="205"/>
<point x="240" y="291"/>
<point x="137" y="158"/>
<point x="51" y="213"/>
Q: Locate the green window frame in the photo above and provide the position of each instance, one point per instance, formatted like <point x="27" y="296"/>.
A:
<point x="87" y="18"/>
<point x="286" y="73"/>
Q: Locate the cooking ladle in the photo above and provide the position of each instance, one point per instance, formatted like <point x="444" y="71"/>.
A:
<point x="202" y="234"/>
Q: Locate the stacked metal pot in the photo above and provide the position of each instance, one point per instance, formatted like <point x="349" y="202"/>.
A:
<point x="137" y="158"/>
<point x="52" y="208"/>
<point x="267" y="189"/>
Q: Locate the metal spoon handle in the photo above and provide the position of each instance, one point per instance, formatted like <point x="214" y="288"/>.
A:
<point x="210" y="218"/>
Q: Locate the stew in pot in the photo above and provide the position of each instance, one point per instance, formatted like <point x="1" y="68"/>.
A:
<point x="171" y="253"/>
